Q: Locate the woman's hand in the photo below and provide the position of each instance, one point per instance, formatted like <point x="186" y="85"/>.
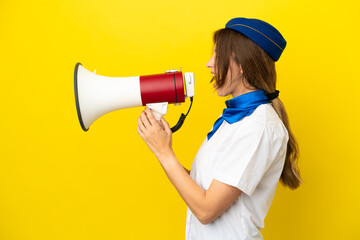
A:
<point x="156" y="134"/>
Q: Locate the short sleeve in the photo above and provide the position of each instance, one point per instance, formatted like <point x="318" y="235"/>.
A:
<point x="247" y="157"/>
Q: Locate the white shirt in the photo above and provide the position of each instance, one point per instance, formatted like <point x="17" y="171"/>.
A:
<point x="249" y="155"/>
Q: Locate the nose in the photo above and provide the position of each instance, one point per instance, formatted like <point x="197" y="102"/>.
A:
<point x="210" y="63"/>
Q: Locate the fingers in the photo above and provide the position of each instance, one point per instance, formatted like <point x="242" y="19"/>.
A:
<point x="144" y="119"/>
<point x="166" y="125"/>
<point x="161" y="125"/>
<point x="140" y="133"/>
<point x="140" y="124"/>
<point x="147" y="123"/>
<point x="150" y="116"/>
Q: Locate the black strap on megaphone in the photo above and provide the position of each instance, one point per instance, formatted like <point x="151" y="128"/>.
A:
<point x="182" y="118"/>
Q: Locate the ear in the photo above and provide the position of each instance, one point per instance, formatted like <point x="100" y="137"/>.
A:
<point x="241" y="70"/>
<point x="234" y="60"/>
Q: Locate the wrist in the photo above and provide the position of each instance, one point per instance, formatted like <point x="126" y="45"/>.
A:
<point x="165" y="155"/>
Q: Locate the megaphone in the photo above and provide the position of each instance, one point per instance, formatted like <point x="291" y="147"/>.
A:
<point x="96" y="95"/>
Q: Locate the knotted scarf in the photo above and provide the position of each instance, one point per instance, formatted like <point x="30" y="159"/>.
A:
<point x="239" y="107"/>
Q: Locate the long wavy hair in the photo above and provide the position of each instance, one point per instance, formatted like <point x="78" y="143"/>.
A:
<point x="259" y="71"/>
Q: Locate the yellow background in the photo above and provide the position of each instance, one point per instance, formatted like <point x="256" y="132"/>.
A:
<point x="58" y="182"/>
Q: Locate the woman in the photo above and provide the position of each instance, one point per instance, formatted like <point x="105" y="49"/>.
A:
<point x="235" y="173"/>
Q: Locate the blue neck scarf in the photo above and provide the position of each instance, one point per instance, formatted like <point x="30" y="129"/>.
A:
<point x="239" y="107"/>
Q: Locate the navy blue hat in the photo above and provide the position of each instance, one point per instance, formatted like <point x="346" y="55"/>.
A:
<point x="262" y="33"/>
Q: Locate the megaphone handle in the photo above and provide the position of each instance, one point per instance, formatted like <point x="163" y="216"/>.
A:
<point x="157" y="115"/>
<point x="158" y="109"/>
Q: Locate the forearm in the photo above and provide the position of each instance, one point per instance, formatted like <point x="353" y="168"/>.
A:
<point x="205" y="205"/>
<point x="193" y="195"/>
<point x="159" y="140"/>
<point x="188" y="171"/>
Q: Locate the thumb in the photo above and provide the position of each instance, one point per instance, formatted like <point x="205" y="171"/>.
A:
<point x="166" y="125"/>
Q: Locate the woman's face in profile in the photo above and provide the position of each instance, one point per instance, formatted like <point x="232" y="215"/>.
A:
<point x="232" y="79"/>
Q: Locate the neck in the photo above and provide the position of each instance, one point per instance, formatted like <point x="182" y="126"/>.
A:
<point x="242" y="90"/>
<point x="242" y="87"/>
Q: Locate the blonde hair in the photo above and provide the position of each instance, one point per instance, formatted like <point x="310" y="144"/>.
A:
<point x="259" y="71"/>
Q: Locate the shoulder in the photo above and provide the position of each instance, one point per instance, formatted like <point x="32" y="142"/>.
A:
<point x="264" y="122"/>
